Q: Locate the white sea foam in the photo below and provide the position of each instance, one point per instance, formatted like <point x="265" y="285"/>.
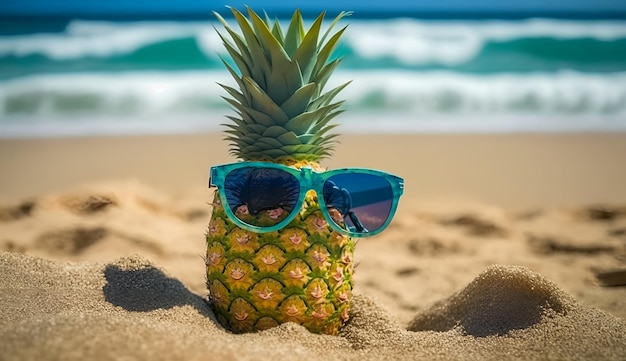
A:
<point x="103" y="39"/>
<point x="410" y="41"/>
<point x="446" y="92"/>
<point x="415" y="42"/>
<point x="137" y="93"/>
<point x="382" y="101"/>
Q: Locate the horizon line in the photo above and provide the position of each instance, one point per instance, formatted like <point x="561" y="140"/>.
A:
<point x="362" y="14"/>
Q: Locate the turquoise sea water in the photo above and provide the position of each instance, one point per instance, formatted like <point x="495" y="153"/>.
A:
<point x="117" y="77"/>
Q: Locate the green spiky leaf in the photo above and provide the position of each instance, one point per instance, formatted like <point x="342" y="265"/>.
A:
<point x="299" y="101"/>
<point x="295" y="33"/>
<point x="282" y="111"/>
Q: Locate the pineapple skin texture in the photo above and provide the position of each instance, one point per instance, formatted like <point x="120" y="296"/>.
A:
<point x="302" y="273"/>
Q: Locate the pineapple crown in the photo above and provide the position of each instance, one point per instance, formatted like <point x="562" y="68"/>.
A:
<point x="282" y="114"/>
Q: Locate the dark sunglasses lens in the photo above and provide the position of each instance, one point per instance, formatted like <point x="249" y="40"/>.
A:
<point x="261" y="197"/>
<point x="358" y="202"/>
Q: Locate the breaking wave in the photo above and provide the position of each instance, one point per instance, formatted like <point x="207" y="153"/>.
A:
<point x="478" y="47"/>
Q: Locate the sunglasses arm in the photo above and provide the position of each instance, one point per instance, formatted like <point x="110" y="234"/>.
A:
<point x="357" y="224"/>
<point x="213" y="174"/>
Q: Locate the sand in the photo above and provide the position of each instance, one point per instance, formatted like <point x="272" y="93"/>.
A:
<point x="504" y="247"/>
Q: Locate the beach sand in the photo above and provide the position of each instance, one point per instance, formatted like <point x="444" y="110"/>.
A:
<point x="504" y="247"/>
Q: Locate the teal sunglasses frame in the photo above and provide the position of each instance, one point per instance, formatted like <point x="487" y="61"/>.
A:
<point x="309" y="180"/>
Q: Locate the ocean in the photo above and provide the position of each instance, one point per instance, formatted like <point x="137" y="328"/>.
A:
<point x="87" y="77"/>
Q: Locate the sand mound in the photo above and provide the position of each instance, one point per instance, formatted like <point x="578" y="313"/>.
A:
<point x="501" y="299"/>
<point x="131" y="308"/>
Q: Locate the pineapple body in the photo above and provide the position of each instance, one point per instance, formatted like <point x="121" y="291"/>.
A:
<point x="301" y="273"/>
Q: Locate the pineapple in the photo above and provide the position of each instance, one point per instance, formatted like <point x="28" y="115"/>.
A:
<point x="303" y="272"/>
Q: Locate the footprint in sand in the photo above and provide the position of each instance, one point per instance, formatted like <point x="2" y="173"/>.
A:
<point x="70" y="240"/>
<point x="10" y="213"/>
<point x="475" y="226"/>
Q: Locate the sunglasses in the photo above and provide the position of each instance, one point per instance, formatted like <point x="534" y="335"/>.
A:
<point x="265" y="197"/>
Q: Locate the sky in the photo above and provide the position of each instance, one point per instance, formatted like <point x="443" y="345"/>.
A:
<point x="61" y="7"/>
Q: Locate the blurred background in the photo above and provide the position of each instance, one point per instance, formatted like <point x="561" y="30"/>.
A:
<point x="70" y="67"/>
